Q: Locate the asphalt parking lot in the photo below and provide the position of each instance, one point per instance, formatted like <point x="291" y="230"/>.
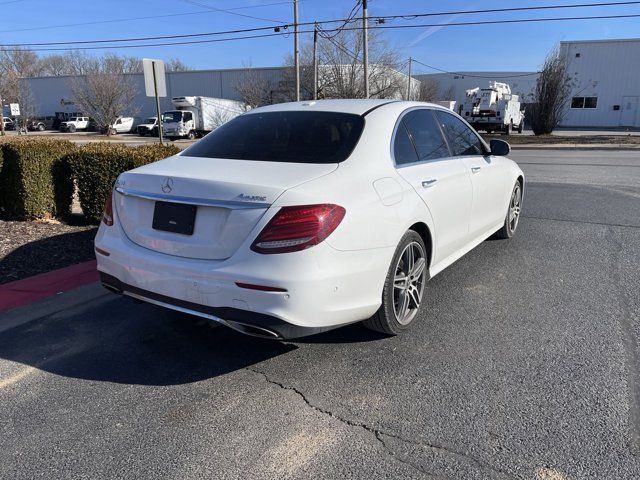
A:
<point x="524" y="365"/>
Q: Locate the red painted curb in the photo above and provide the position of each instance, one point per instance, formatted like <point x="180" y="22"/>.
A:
<point x="27" y="290"/>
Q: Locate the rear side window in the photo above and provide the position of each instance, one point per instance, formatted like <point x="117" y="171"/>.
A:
<point x="462" y="140"/>
<point x="403" y="151"/>
<point x="426" y="135"/>
<point x="297" y="137"/>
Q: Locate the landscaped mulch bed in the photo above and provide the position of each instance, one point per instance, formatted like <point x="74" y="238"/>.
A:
<point x="29" y="248"/>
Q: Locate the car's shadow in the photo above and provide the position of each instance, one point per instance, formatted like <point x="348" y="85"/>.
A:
<point x="114" y="339"/>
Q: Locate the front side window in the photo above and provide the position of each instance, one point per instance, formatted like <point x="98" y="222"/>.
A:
<point x="288" y="136"/>
<point x="187" y="116"/>
<point x="426" y="136"/>
<point x="462" y="139"/>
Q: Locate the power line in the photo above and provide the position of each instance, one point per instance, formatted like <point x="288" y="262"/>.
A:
<point x="474" y="76"/>
<point x="286" y="33"/>
<point x="215" y="9"/>
<point x="379" y="26"/>
<point x="129" y="19"/>
<point x="507" y="9"/>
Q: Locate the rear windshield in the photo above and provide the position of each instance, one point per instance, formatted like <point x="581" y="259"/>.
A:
<point x="298" y="137"/>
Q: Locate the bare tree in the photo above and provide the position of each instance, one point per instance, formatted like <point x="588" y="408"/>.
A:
<point x="428" y="91"/>
<point x="550" y="95"/>
<point x="105" y="93"/>
<point x="253" y="88"/>
<point x="16" y="63"/>
<point x="176" y="65"/>
<point x="340" y="70"/>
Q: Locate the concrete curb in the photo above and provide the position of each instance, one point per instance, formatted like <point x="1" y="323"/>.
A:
<point x="576" y="146"/>
<point x="22" y="292"/>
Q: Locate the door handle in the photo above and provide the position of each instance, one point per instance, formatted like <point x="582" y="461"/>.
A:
<point x="475" y="169"/>
<point x="429" y="182"/>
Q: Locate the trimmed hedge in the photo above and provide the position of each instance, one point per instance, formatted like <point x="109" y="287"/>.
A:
<point x="35" y="179"/>
<point x="96" y="166"/>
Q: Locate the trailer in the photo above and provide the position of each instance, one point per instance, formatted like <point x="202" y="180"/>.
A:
<point x="196" y="116"/>
<point x="493" y="109"/>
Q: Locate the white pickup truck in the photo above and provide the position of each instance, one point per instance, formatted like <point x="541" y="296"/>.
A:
<point x="75" y="123"/>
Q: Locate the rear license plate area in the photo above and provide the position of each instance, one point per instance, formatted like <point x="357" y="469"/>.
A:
<point x="174" y="217"/>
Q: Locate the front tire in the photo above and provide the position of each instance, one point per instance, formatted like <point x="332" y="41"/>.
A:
<point x="510" y="225"/>
<point x="403" y="288"/>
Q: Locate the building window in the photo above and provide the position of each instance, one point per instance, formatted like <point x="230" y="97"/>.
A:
<point x="584" y="102"/>
<point x="590" y="102"/>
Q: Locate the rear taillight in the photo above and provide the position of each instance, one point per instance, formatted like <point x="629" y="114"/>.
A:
<point x="107" y="214"/>
<point x="296" y="228"/>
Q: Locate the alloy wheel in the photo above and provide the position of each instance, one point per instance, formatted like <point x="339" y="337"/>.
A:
<point x="408" y="283"/>
<point x="514" y="208"/>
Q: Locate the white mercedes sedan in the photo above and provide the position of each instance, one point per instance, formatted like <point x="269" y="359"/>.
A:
<point x="300" y="217"/>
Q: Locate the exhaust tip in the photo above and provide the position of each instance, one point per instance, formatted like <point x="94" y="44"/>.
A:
<point x="254" y="330"/>
<point x="111" y="288"/>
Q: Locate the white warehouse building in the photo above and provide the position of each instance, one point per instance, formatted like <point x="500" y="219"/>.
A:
<point x="53" y="95"/>
<point x="605" y="76"/>
<point x="606" y="83"/>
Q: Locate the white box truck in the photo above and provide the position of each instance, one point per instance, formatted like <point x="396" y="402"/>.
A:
<point x="493" y="109"/>
<point x="196" y="116"/>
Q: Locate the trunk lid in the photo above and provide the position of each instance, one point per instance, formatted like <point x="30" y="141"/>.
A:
<point x="231" y="196"/>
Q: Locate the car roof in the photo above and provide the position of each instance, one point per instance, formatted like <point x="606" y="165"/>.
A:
<point x="354" y="106"/>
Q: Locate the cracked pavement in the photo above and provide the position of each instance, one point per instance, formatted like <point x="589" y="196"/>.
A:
<point x="524" y="365"/>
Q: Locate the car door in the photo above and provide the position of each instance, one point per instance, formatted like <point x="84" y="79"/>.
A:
<point x="488" y="175"/>
<point x="423" y="159"/>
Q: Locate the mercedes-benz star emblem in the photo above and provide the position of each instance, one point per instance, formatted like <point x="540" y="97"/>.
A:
<point x="167" y="186"/>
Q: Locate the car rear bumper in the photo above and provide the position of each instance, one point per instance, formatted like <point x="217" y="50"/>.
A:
<point x="323" y="287"/>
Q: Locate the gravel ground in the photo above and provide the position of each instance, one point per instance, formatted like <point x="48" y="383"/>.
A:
<point x="29" y="248"/>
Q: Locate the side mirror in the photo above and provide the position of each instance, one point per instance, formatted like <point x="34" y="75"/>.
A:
<point x="499" y="147"/>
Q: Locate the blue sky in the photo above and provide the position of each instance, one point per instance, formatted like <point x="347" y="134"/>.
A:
<point x="494" y="47"/>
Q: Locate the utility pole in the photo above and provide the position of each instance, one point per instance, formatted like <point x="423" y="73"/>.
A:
<point x="365" y="48"/>
<point x="296" y="51"/>
<point x="1" y="117"/>
<point x="409" y="81"/>
<point x="315" y="61"/>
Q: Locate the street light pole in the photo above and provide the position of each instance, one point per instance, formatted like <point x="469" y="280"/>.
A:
<point x="296" y="51"/>
<point x="365" y="48"/>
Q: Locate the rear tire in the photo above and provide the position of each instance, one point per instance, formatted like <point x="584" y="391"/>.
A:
<point x="403" y="290"/>
<point x="512" y="218"/>
<point x="41" y="128"/>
